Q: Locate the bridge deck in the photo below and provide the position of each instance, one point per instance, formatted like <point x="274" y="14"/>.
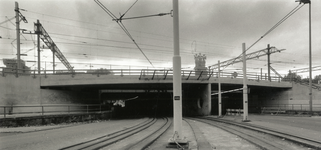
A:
<point x="153" y="76"/>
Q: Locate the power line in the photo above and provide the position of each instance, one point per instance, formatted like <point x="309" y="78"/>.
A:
<point x="276" y="25"/>
<point x="271" y="29"/>
<point x="118" y="20"/>
<point x="209" y="44"/>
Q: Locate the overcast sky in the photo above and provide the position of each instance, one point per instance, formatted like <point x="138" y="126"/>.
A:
<point x="217" y="28"/>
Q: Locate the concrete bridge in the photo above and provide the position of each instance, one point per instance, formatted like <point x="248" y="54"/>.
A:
<point x="153" y="88"/>
<point x="150" y="76"/>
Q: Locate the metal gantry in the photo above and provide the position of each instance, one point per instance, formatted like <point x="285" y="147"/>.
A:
<point x="44" y="36"/>
<point x="253" y="55"/>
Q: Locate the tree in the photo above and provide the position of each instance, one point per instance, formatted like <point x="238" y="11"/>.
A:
<point x="317" y="79"/>
<point x="292" y="77"/>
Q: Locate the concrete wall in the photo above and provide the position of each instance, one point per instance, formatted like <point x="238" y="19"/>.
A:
<point x="25" y="90"/>
<point x="295" y="98"/>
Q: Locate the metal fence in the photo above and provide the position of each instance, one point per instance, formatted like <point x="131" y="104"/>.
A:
<point x="36" y="110"/>
<point x="150" y="73"/>
<point x="294" y="107"/>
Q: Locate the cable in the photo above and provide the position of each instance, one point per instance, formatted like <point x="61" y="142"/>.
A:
<point x="276" y="25"/>
<point x="271" y="29"/>
<point x="165" y="36"/>
<point x="128" y="9"/>
<point x="123" y="27"/>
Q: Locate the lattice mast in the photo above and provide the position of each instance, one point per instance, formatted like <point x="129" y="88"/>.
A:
<point x="44" y="36"/>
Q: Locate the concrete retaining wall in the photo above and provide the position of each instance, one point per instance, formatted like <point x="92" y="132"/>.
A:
<point x="295" y="98"/>
<point x="25" y="90"/>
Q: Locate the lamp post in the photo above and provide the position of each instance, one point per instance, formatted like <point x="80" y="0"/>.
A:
<point x="310" y="54"/>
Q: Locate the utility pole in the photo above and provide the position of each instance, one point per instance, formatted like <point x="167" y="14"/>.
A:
<point x="269" y="62"/>
<point x="38" y="44"/>
<point x="219" y="91"/>
<point x="245" y="94"/>
<point x="18" y="36"/>
<point x="310" y="54"/>
<point x="177" y="138"/>
<point x="177" y="83"/>
<point x="53" y="61"/>
<point x="310" y="61"/>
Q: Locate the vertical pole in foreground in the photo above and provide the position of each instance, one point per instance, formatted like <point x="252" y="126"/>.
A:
<point x="245" y="100"/>
<point x="53" y="62"/>
<point x="177" y="83"/>
<point x="18" y="36"/>
<point x="310" y="62"/>
<point x="219" y="90"/>
<point x="269" y="62"/>
<point x="38" y="45"/>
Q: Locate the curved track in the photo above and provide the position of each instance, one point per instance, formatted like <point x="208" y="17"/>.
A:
<point x="262" y="137"/>
<point x="135" y="137"/>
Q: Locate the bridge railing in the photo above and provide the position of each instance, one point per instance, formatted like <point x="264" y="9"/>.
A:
<point x="40" y="110"/>
<point x="143" y="73"/>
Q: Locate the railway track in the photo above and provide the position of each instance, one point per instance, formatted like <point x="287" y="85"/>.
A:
<point x="202" y="143"/>
<point x="262" y="137"/>
<point x="139" y="136"/>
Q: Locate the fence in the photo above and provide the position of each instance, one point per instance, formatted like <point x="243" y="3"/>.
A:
<point x="150" y="73"/>
<point x="234" y="112"/>
<point x="293" y="107"/>
<point x="34" y="110"/>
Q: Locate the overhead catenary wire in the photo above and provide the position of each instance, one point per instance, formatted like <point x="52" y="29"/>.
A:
<point x="276" y="25"/>
<point x="128" y="9"/>
<point x="187" y="40"/>
<point x="123" y="27"/>
<point x="272" y="28"/>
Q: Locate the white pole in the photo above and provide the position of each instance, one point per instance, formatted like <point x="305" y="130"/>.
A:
<point x="310" y="63"/>
<point x="219" y="91"/>
<point x="177" y="83"/>
<point x="38" y="45"/>
<point x="245" y="100"/>
<point x="18" y="35"/>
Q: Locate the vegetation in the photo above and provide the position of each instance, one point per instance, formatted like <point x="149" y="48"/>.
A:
<point x="296" y="78"/>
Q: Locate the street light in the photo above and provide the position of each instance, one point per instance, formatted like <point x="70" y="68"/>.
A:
<point x="310" y="54"/>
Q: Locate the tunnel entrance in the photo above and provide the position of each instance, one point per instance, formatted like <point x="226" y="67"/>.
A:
<point x="234" y="100"/>
<point x="140" y="103"/>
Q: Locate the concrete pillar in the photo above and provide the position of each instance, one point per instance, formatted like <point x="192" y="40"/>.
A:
<point x="205" y="98"/>
<point x="209" y="98"/>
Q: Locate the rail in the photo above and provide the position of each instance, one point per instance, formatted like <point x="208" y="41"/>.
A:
<point x="36" y="110"/>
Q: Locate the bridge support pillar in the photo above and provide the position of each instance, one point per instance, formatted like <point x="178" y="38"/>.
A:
<point x="204" y="101"/>
<point x="207" y="96"/>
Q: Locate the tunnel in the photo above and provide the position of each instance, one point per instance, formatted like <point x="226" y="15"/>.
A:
<point x="156" y="100"/>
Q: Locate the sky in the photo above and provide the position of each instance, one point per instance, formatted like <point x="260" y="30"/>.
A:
<point x="90" y="39"/>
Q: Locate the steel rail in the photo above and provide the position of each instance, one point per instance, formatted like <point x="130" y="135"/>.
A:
<point x="287" y="136"/>
<point x="111" y="138"/>
<point x="153" y="133"/>
<point x="202" y="143"/>
<point x="151" y="137"/>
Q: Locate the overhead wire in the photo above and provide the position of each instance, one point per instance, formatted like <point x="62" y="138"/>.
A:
<point x="277" y="24"/>
<point x="272" y="28"/>
<point x="122" y="26"/>
<point x="128" y="9"/>
<point x="208" y="44"/>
